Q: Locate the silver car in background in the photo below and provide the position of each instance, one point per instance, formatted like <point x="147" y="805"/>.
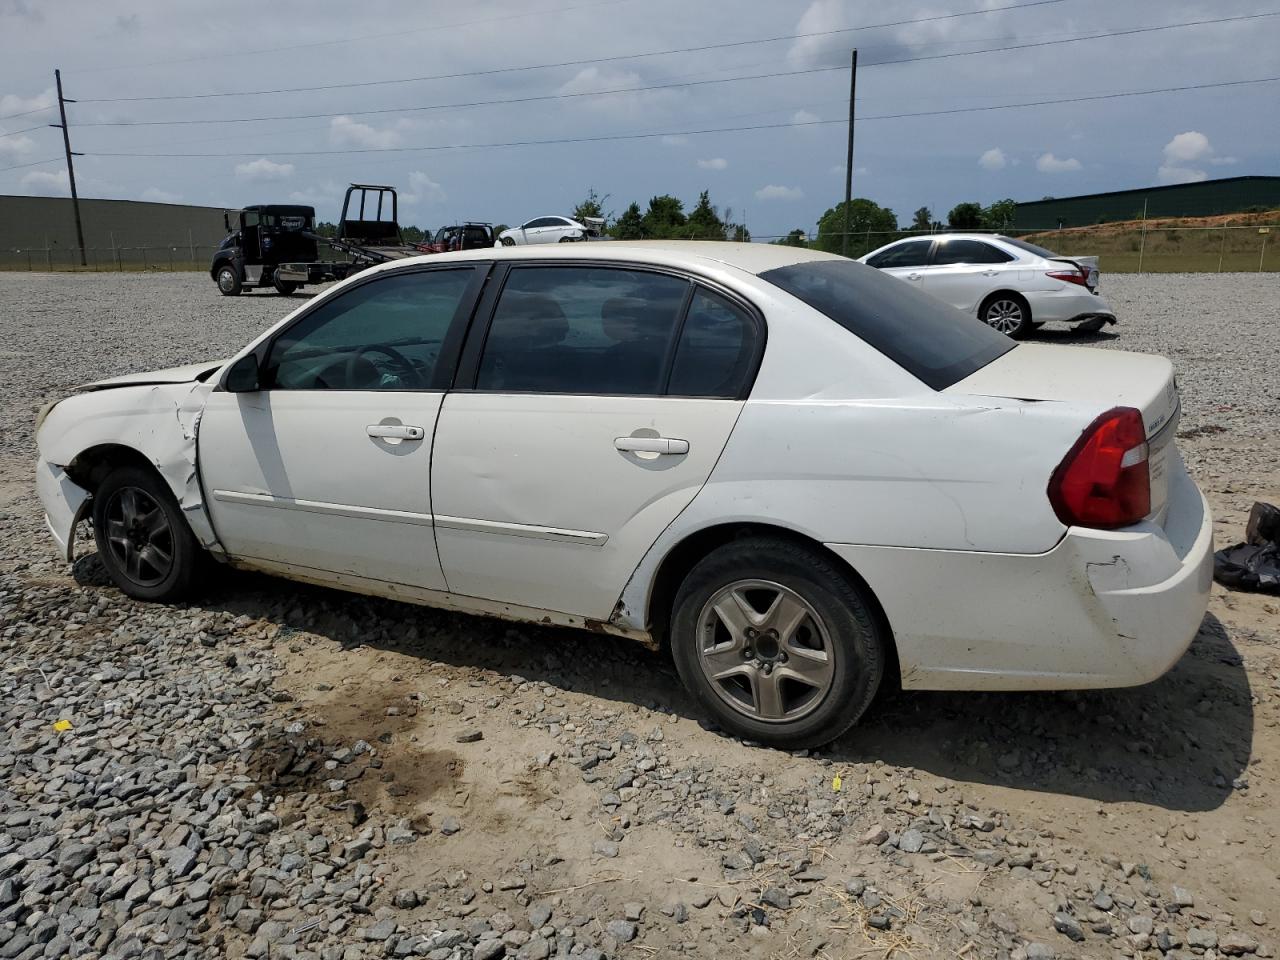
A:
<point x="1009" y="284"/>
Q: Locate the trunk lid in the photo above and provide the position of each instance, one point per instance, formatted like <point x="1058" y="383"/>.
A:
<point x="1097" y="380"/>
<point x="1087" y="264"/>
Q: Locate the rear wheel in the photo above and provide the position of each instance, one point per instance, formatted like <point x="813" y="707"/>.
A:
<point x="285" y="287"/>
<point x="1008" y="313"/>
<point x="777" y="643"/>
<point x="143" y="540"/>
<point x="228" y="280"/>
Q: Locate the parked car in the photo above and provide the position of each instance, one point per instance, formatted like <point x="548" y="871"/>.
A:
<point x="547" y="230"/>
<point x="800" y="476"/>
<point x="1009" y="284"/>
<point x="460" y="236"/>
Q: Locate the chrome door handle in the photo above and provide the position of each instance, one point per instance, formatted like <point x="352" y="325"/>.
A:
<point x="991" y="273"/>
<point x="394" y="431"/>
<point x="660" y="445"/>
<point x="913" y="276"/>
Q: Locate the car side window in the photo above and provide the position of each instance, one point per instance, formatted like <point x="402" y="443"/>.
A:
<point x="382" y="335"/>
<point x="913" y="253"/>
<point x="968" y="251"/>
<point x="581" y="330"/>
<point x="539" y="222"/>
<point x="717" y="349"/>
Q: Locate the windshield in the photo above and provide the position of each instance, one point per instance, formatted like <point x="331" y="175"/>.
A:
<point x="931" y="340"/>
<point x="1029" y="247"/>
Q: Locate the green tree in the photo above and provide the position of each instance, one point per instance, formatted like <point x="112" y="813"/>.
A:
<point x="965" y="216"/>
<point x="413" y="234"/>
<point x="922" y="219"/>
<point x="629" y="226"/>
<point x="664" y="218"/>
<point x="326" y="229"/>
<point x="864" y="216"/>
<point x="704" y="223"/>
<point x="498" y="228"/>
<point x="1000" y="215"/>
<point x="796" y="238"/>
<point x="593" y="206"/>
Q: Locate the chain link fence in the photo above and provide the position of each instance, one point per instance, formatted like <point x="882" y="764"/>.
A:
<point x="1127" y="249"/>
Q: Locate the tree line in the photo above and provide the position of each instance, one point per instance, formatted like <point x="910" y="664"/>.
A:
<point x="665" y="219"/>
<point x="871" y="225"/>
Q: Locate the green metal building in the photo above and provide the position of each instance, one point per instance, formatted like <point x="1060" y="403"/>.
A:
<point x="1207" y="198"/>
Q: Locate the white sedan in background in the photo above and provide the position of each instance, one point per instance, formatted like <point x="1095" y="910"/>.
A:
<point x="544" y="230"/>
<point x="1009" y="284"/>
<point x="800" y="476"/>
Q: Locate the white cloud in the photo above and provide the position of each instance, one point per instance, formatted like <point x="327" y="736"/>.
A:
<point x="156" y="195"/>
<point x="345" y="132"/>
<point x="776" y="192"/>
<point x="1171" y="173"/>
<point x="44" y="183"/>
<point x="715" y="163"/>
<point x="1048" y="163"/>
<point x="264" y="169"/>
<point x="820" y="17"/>
<point x="15" y="146"/>
<point x="804" y="116"/>
<point x="993" y="159"/>
<point x="13" y="103"/>
<point x="1223" y="161"/>
<point x="1187" y="148"/>
<point x="591" y="80"/>
<point x="422" y="189"/>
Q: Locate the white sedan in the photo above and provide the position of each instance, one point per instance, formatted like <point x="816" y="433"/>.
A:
<point x="1009" y="284"/>
<point x="802" y="477"/>
<point x="544" y="230"/>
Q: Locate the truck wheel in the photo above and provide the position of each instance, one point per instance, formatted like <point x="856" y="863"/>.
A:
<point x="285" y="287"/>
<point x="228" y="280"/>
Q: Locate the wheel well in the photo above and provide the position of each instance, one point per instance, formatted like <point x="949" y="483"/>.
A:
<point x="682" y="558"/>
<point x="90" y="467"/>
<point x="1012" y="294"/>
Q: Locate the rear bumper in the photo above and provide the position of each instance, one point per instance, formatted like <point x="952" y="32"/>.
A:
<point x="1101" y="609"/>
<point x="1070" y="304"/>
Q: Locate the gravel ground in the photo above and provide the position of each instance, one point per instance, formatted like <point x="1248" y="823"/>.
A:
<point x="283" y="771"/>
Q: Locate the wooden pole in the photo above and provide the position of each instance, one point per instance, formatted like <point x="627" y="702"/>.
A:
<point x="71" y="170"/>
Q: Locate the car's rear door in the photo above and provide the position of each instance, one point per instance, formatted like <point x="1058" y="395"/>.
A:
<point x="963" y="271"/>
<point x="326" y="467"/>
<point x="593" y="401"/>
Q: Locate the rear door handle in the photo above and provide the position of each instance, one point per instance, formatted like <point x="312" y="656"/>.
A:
<point x="660" y="445"/>
<point x="913" y="276"/>
<point x="990" y="273"/>
<point x="395" y="431"/>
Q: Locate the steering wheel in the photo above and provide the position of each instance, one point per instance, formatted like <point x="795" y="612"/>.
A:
<point x="409" y="376"/>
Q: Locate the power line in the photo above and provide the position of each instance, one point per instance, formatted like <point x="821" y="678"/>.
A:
<point x="33" y="163"/>
<point x="665" y="86"/>
<point x="14" y="133"/>
<point x="27" y="113"/>
<point x="571" y="63"/>
<point x="711" y="130"/>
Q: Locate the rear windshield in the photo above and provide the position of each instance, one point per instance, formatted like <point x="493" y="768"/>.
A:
<point x="1029" y="247"/>
<point x="931" y="340"/>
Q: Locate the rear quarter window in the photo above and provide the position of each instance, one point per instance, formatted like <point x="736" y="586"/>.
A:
<point x="931" y="340"/>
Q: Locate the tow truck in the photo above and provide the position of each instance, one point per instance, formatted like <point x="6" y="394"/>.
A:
<point x="275" y="245"/>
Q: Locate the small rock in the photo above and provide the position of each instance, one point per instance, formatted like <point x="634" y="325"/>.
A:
<point x="449" y="826"/>
<point x="1040" y="951"/>
<point x="776" y="897"/>
<point x="624" y="931"/>
<point x="1236" y="943"/>
<point x="911" y="841"/>
<point x="875" y="836"/>
<point x="1066" y="925"/>
<point x="1199" y="937"/>
<point x="605" y="848"/>
<point x="1183" y="898"/>
<point x="469" y="736"/>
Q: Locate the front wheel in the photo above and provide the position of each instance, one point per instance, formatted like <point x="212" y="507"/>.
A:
<point x="508" y="242"/>
<point x="1007" y="313"/>
<point x="143" y="540"/>
<point x="777" y="643"/>
<point x="228" y="280"/>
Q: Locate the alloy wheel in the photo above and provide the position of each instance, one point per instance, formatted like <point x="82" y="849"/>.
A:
<point x="765" y="651"/>
<point x="139" y="536"/>
<point x="1004" y="315"/>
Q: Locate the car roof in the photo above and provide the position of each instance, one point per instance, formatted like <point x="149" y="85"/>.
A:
<point x="750" y="257"/>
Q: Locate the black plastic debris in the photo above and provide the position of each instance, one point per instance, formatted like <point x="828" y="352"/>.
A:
<point x="1254" y="564"/>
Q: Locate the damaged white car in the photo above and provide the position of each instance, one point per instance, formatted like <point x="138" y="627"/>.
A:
<point x="802" y="476"/>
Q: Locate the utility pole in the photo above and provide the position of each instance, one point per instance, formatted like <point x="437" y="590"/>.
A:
<point x="848" y="169"/>
<point x="71" y="170"/>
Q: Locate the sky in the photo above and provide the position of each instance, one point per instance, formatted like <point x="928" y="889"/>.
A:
<point x="455" y="158"/>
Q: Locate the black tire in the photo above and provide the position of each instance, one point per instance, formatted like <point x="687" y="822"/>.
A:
<point x="228" y="279"/>
<point x="507" y="241"/>
<point x="566" y="240"/>
<point x="1092" y="325"/>
<point x="1007" y="312"/>
<point x="160" y="531"/>
<point x="285" y="287"/>
<point x="844" y="621"/>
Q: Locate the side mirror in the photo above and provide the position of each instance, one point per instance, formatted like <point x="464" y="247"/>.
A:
<point x="243" y="376"/>
<point x="226" y="221"/>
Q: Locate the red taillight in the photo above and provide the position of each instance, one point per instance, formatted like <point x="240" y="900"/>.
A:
<point x="1071" y="276"/>
<point x="1104" y="481"/>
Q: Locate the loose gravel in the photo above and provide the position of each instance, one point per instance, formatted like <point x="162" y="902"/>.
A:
<point x="284" y="771"/>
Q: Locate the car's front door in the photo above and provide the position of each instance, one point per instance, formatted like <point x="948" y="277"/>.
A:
<point x="326" y="467"/>
<point x="594" y="408"/>
<point x="964" y="271"/>
<point x="907" y="260"/>
<point x="536" y="230"/>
